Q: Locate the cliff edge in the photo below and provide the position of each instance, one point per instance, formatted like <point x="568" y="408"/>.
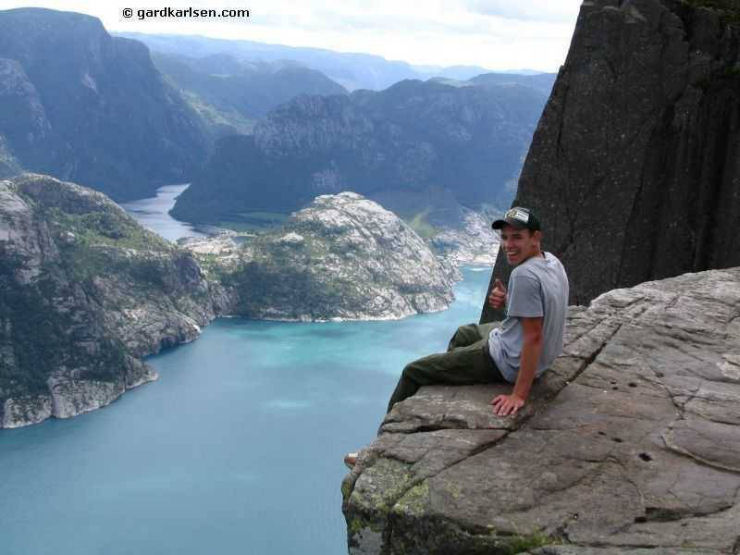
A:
<point x="634" y="168"/>
<point x="629" y="444"/>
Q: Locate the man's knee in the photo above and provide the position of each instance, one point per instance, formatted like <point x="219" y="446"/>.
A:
<point x="463" y="336"/>
<point x="410" y="371"/>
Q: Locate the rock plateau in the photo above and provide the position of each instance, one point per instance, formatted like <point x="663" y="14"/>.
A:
<point x="629" y="444"/>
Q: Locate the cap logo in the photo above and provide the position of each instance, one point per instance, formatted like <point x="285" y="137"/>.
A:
<point x="517" y="214"/>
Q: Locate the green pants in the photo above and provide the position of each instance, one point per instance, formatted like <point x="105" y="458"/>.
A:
<point x="466" y="362"/>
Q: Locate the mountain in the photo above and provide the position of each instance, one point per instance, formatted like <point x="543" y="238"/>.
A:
<point x="343" y="256"/>
<point x="540" y="81"/>
<point x="84" y="293"/>
<point x="460" y="73"/>
<point x="82" y="105"/>
<point x="418" y="148"/>
<point x="635" y="166"/>
<point x="232" y="94"/>
<point x="351" y="70"/>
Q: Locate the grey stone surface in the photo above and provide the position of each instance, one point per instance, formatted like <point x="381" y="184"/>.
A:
<point x="628" y="445"/>
<point x="634" y="168"/>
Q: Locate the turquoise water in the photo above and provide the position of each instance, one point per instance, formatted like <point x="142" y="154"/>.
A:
<point x="236" y="449"/>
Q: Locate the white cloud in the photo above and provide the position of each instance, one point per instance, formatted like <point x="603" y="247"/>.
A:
<point x="497" y="34"/>
<point x="531" y="10"/>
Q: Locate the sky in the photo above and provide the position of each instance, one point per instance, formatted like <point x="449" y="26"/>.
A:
<point x="494" y="34"/>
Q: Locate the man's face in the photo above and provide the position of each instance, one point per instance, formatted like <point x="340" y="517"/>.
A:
<point x="519" y="244"/>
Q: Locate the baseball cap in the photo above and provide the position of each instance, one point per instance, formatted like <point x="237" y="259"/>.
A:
<point x="518" y="217"/>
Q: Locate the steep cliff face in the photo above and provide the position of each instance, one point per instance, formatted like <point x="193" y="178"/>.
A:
<point x="628" y="445"/>
<point x="343" y="256"/>
<point x="84" y="292"/>
<point x="635" y="165"/>
<point x="82" y="105"/>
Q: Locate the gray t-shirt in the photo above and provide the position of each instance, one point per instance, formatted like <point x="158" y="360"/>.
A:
<point x="537" y="287"/>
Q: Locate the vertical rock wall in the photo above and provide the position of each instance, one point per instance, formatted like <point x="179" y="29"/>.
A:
<point x="634" y="167"/>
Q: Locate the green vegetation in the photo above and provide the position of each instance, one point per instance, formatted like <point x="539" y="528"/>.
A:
<point x="34" y="332"/>
<point x="419" y="224"/>
<point x="253" y="221"/>
<point x="216" y="118"/>
<point x="44" y="338"/>
<point x="267" y="217"/>
<point x="93" y="247"/>
<point x="107" y="227"/>
<point x="522" y="544"/>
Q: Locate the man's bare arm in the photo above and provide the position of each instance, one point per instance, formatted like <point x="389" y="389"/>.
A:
<point x="504" y="405"/>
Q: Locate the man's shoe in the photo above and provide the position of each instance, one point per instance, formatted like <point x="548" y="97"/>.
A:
<point x="350" y="459"/>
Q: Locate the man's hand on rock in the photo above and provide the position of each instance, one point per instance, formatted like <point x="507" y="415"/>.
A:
<point x="497" y="297"/>
<point x="506" y="405"/>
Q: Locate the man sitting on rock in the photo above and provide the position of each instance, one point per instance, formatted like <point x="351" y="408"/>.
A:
<point x="529" y="339"/>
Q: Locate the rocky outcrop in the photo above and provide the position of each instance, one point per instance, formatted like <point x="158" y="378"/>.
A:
<point x="343" y="257"/>
<point x="472" y="243"/>
<point x="635" y="164"/>
<point x="628" y="444"/>
<point x="84" y="293"/>
<point x="81" y="105"/>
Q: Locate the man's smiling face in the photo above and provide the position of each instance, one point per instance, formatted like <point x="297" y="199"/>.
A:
<point x="519" y="244"/>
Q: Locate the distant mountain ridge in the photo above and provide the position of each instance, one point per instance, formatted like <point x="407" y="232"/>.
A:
<point x="351" y="70"/>
<point x="82" y="105"/>
<point x="238" y="92"/>
<point x="413" y="146"/>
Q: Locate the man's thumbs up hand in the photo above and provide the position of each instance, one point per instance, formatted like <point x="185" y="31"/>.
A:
<point x="497" y="297"/>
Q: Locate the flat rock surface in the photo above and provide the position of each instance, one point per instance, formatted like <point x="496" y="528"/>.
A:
<point x="628" y="444"/>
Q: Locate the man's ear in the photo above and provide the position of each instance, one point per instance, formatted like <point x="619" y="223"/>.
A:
<point x="537" y="235"/>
